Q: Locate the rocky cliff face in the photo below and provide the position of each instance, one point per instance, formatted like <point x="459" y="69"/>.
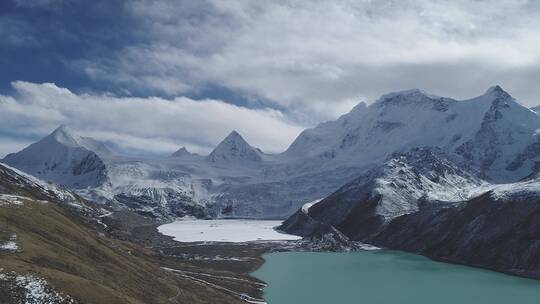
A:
<point x="500" y="233"/>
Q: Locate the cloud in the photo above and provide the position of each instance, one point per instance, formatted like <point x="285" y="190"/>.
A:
<point x="311" y="60"/>
<point x="316" y="58"/>
<point x="147" y="125"/>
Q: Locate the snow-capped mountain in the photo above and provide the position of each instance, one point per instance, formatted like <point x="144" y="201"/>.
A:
<point x="493" y="133"/>
<point x="64" y="158"/>
<point x="234" y="149"/>
<point x="183" y="152"/>
<point x="397" y="187"/>
<point x="491" y="136"/>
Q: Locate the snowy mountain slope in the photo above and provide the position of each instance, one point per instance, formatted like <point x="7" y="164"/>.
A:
<point x="63" y="158"/>
<point x="183" y="152"/>
<point x="400" y="186"/>
<point x="234" y="149"/>
<point x="490" y="132"/>
<point x="24" y="187"/>
<point x="168" y="187"/>
<point x="507" y="141"/>
<point x="15" y="181"/>
<point x="277" y="197"/>
<point x="155" y="188"/>
<point x="491" y="135"/>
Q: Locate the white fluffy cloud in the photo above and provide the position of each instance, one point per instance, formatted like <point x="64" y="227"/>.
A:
<point x="153" y="125"/>
<point x="320" y="57"/>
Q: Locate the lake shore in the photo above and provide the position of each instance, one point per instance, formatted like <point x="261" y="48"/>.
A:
<point x="225" y="267"/>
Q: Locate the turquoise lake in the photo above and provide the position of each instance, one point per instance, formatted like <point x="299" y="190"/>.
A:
<point x="386" y="277"/>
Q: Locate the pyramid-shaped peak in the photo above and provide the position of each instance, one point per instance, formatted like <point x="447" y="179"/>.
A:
<point x="234" y="135"/>
<point x="234" y="147"/>
<point x="495" y="88"/>
<point x="63" y="130"/>
<point x="234" y="138"/>
<point x="181" y="152"/>
<point x="64" y="135"/>
<point x="497" y="91"/>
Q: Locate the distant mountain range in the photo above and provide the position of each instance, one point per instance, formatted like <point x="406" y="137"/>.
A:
<point x="491" y="138"/>
<point x="454" y="180"/>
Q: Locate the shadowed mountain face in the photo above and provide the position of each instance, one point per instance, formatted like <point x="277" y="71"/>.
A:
<point x="491" y="136"/>
<point x="496" y="232"/>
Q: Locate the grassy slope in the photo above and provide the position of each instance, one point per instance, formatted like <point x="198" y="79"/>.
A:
<point x="57" y="245"/>
<point x="64" y="246"/>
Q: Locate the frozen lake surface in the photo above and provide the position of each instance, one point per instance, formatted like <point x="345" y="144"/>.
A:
<point x="234" y="230"/>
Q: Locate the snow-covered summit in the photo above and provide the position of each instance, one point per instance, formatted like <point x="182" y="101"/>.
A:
<point x="63" y="158"/>
<point x="489" y="131"/>
<point x="497" y="91"/>
<point x="182" y="152"/>
<point x="410" y="96"/>
<point x="235" y="149"/>
<point x="63" y="135"/>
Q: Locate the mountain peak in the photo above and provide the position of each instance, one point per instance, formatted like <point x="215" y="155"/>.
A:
<point x="64" y="158"/>
<point x="495" y="88"/>
<point x="412" y="96"/>
<point x="234" y="138"/>
<point x="181" y="152"/>
<point x="64" y="135"/>
<point x="234" y="134"/>
<point x="234" y="147"/>
<point x="497" y="92"/>
<point x="359" y="108"/>
<point x="62" y="129"/>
